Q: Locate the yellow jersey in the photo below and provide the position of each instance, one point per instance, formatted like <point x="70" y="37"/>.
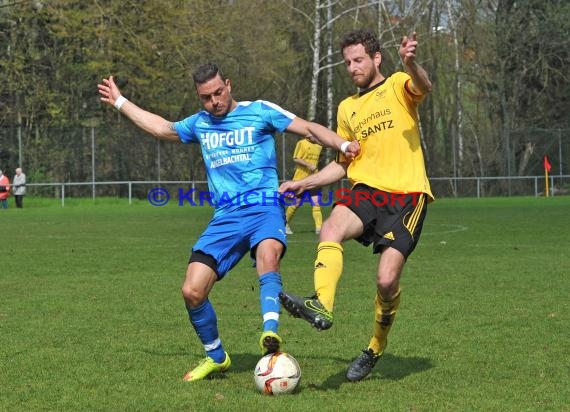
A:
<point x="384" y="120"/>
<point x="309" y="152"/>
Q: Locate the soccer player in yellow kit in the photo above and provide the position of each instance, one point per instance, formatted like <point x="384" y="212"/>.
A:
<point x="387" y="203"/>
<point x="306" y="157"/>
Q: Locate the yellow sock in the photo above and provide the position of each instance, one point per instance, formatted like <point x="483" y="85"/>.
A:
<point x="385" y="313"/>
<point x="317" y="217"/>
<point x="328" y="268"/>
<point x="289" y="212"/>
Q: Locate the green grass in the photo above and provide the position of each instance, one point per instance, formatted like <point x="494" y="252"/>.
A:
<point x="91" y="316"/>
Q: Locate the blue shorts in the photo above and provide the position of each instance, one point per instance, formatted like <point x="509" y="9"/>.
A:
<point x="229" y="236"/>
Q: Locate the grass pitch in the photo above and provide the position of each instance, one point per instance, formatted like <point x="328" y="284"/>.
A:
<point x="91" y="316"/>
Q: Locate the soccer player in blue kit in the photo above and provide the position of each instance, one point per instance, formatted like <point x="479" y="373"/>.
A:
<point x="238" y="148"/>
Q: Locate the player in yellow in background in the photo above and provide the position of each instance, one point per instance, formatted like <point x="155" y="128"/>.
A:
<point x="387" y="204"/>
<point x="306" y="157"/>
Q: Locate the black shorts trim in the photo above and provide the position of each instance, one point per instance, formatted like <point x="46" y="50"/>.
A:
<point x="201" y="257"/>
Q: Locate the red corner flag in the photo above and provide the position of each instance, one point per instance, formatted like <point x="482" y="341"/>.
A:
<point x="547" y="166"/>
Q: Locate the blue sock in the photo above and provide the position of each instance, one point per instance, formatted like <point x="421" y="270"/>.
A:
<point x="205" y="323"/>
<point x="269" y="288"/>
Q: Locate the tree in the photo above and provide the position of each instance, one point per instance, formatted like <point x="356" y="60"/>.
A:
<point x="498" y="68"/>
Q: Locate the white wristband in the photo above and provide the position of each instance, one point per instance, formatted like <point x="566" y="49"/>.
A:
<point x="344" y="146"/>
<point x="120" y="102"/>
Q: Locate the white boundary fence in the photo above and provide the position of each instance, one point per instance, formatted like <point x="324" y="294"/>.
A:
<point x="441" y="186"/>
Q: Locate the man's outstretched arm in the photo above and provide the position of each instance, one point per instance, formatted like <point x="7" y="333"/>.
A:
<point x="149" y="122"/>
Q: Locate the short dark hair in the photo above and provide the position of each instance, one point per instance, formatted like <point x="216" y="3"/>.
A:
<point x="362" y="36"/>
<point x="206" y="72"/>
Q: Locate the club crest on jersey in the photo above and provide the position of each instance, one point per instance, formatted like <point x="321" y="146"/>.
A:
<point x="380" y="94"/>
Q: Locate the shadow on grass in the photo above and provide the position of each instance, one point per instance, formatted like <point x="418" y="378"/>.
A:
<point x="240" y="361"/>
<point x="388" y="367"/>
<point x="244" y="362"/>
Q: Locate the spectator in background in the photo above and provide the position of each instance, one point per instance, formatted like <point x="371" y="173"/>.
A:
<point x="306" y="158"/>
<point x="19" y="187"/>
<point x="4" y="191"/>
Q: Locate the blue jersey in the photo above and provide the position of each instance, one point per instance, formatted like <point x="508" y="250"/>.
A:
<point x="238" y="151"/>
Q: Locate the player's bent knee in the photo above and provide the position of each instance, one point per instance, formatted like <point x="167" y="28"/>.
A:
<point x="192" y="297"/>
<point x="387" y="288"/>
<point x="268" y="255"/>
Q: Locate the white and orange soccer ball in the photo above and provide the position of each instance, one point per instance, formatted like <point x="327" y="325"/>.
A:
<point x="277" y="373"/>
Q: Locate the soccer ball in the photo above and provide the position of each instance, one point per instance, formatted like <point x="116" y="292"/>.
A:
<point x="277" y="373"/>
